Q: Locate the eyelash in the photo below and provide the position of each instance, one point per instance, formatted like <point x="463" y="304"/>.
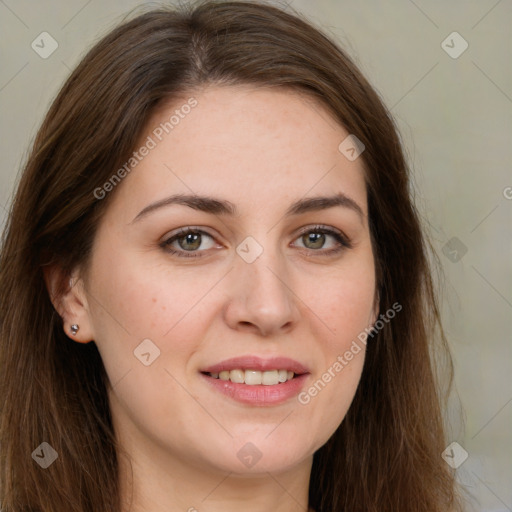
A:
<point x="343" y="241"/>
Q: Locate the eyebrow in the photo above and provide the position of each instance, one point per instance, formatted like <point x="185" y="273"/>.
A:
<point x="223" y="207"/>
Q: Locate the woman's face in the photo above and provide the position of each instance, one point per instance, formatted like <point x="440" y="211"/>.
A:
<point x="260" y="279"/>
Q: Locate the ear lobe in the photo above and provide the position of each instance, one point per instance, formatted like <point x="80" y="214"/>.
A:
<point x="69" y="300"/>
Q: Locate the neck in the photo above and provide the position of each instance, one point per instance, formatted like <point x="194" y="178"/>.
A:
<point x="152" y="478"/>
<point x="162" y="487"/>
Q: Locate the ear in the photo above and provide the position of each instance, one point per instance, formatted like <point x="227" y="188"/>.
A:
<point x="68" y="297"/>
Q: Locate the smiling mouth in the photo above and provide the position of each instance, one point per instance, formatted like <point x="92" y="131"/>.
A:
<point x="254" y="377"/>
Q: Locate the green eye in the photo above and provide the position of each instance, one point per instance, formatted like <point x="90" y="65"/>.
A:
<point x="189" y="240"/>
<point x="317" y="237"/>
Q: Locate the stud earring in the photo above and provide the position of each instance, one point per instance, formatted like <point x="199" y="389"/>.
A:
<point x="74" y="329"/>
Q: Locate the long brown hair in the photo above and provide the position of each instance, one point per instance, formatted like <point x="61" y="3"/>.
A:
<point x="386" y="454"/>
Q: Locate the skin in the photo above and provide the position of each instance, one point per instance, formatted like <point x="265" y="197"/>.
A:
<point x="261" y="149"/>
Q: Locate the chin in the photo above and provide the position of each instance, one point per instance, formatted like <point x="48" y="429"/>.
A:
<point x="263" y="453"/>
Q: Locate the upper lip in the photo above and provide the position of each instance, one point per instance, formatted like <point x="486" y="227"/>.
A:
<point x="257" y="363"/>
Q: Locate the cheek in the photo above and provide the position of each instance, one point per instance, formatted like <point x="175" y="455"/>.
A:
<point x="137" y="298"/>
<point x="344" y="305"/>
<point x="142" y="297"/>
<point x="345" y="300"/>
<point x="144" y="323"/>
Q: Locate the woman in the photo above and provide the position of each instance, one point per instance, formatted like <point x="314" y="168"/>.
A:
<point x="215" y="291"/>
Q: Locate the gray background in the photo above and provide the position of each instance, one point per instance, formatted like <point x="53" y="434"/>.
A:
<point x="455" y="119"/>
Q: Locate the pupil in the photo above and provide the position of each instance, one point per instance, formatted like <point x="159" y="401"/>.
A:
<point x="318" y="237"/>
<point x="195" y="237"/>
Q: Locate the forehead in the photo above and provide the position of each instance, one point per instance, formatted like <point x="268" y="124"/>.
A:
<point x="252" y="146"/>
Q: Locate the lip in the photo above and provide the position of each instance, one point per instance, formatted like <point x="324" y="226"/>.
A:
<point x="258" y="395"/>
<point x="257" y="363"/>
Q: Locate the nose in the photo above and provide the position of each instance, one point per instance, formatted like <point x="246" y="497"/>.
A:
<point x="261" y="298"/>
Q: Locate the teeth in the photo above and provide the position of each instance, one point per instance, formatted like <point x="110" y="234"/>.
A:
<point x="237" y="376"/>
<point x="254" y="377"/>
<point x="270" y="378"/>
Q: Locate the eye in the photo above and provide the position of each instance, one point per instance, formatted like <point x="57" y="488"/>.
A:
<point x="188" y="239"/>
<point x="314" y="239"/>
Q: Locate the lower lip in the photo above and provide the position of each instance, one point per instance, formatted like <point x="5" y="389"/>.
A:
<point x="259" y="395"/>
